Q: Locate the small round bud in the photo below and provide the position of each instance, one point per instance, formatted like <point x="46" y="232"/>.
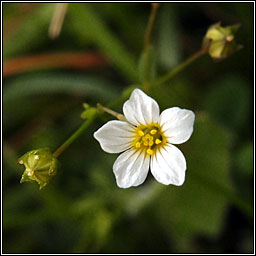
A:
<point x="40" y="166"/>
<point x="220" y="41"/>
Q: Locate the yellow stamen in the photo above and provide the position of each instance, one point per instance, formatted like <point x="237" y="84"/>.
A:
<point x="158" y="141"/>
<point x="145" y="143"/>
<point x="150" y="151"/>
<point x="137" y="145"/>
<point x="153" y="132"/>
<point x="147" y="136"/>
<point x="151" y="143"/>
<point x="141" y="133"/>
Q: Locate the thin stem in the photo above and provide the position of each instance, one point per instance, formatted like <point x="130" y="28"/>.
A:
<point x="179" y="68"/>
<point x="111" y="112"/>
<point x="84" y="126"/>
<point x="75" y="135"/>
<point x="150" y="25"/>
<point x="147" y="43"/>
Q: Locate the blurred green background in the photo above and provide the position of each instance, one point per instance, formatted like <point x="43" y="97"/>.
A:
<point x="95" y="58"/>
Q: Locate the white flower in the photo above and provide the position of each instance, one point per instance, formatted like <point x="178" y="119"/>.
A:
<point x="146" y="141"/>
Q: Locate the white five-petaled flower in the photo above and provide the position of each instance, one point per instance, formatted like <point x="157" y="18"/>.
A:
<point x="146" y="140"/>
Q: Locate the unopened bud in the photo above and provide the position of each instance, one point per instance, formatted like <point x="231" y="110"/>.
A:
<point x="40" y="166"/>
<point x="220" y="41"/>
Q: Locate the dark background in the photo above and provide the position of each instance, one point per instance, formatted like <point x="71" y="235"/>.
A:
<point x="82" y="210"/>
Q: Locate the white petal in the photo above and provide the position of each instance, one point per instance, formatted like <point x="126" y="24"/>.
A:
<point x="141" y="109"/>
<point x="177" y="124"/>
<point x="168" y="166"/>
<point x="131" y="168"/>
<point x="115" y="136"/>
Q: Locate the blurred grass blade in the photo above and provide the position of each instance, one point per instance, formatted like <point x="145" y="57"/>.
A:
<point x="57" y="20"/>
<point x="31" y="85"/>
<point x="31" y="33"/>
<point x="169" y="49"/>
<point x="147" y="65"/>
<point x="86" y="24"/>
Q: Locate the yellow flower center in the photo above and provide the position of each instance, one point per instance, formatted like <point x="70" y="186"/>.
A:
<point x="149" y="138"/>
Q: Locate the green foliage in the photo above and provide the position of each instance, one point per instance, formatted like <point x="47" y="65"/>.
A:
<point x="200" y="205"/>
<point x="94" y="30"/>
<point x="232" y="110"/>
<point x="82" y="210"/>
<point x="32" y="32"/>
<point x="147" y="66"/>
<point x="169" y="48"/>
<point x="90" y="86"/>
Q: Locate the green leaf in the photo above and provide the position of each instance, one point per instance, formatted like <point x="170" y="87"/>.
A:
<point x="243" y="171"/>
<point x="86" y="24"/>
<point x="228" y="102"/>
<point x="244" y="159"/>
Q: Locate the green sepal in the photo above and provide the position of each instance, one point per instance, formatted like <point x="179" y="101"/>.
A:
<point x="40" y="166"/>
<point x="220" y="41"/>
<point x="88" y="112"/>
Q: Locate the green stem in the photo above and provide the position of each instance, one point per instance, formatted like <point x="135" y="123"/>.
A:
<point x="150" y="25"/>
<point x="148" y="33"/>
<point x="179" y="68"/>
<point x="76" y="134"/>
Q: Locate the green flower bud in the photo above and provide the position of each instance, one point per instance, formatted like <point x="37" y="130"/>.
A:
<point x="40" y="166"/>
<point x="220" y="41"/>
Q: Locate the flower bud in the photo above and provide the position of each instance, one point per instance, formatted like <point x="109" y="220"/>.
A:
<point x="220" y="41"/>
<point x="40" y="166"/>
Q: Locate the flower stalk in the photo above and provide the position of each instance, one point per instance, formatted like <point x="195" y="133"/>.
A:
<point x="148" y="33"/>
<point x="89" y="119"/>
<point x="180" y="67"/>
<point x="111" y="112"/>
<point x="76" y="134"/>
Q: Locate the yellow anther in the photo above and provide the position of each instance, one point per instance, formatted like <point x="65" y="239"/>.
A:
<point x="137" y="145"/>
<point x="151" y="143"/>
<point x="147" y="136"/>
<point x="153" y="132"/>
<point x="141" y="133"/>
<point x="158" y="141"/>
<point x="150" y="151"/>
<point x="151" y="138"/>
<point x="145" y="143"/>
